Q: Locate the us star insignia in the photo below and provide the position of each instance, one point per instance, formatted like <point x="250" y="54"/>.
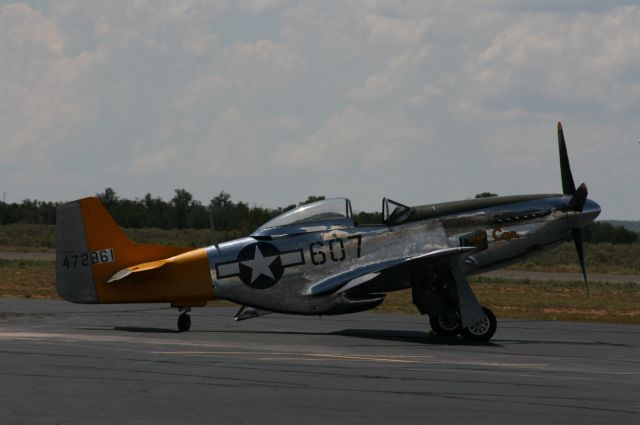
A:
<point x="260" y="265"/>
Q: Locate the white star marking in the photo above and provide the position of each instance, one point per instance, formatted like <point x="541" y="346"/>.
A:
<point x="260" y="265"/>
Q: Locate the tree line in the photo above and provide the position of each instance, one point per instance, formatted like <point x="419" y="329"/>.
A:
<point x="222" y="214"/>
<point x="180" y="212"/>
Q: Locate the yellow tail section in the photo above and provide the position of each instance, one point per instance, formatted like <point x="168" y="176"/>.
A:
<point x="97" y="263"/>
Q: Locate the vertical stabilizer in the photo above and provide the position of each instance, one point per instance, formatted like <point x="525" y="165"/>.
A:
<point x="91" y="248"/>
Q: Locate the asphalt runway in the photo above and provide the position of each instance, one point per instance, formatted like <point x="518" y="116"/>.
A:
<point x="67" y="364"/>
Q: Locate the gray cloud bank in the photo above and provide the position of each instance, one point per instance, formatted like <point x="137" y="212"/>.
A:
<point x="422" y="101"/>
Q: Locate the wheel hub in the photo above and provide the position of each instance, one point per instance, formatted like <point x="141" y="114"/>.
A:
<point x="448" y="321"/>
<point x="480" y="328"/>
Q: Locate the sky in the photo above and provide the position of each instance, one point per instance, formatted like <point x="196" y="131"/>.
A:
<point x="275" y="100"/>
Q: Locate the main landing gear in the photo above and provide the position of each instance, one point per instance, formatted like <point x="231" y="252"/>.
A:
<point x="448" y="324"/>
<point x="184" y="320"/>
<point x="443" y="293"/>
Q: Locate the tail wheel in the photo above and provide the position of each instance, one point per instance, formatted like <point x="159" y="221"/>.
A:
<point x="447" y="324"/>
<point x="482" y="330"/>
<point x="184" y="322"/>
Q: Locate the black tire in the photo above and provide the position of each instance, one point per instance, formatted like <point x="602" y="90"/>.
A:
<point x="447" y="324"/>
<point x="184" y="322"/>
<point x="483" y="330"/>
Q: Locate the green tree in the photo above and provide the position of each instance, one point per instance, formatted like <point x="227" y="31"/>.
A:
<point x="157" y="211"/>
<point x="182" y="204"/>
<point x="222" y="210"/>
<point x="311" y="199"/>
<point x="601" y="232"/>
<point x="368" y="218"/>
<point x="108" y="197"/>
<point x="486" y="195"/>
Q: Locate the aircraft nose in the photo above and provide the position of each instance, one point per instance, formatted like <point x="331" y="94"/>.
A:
<point x="590" y="211"/>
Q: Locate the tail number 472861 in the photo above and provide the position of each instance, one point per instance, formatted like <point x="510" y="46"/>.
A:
<point x="100" y="256"/>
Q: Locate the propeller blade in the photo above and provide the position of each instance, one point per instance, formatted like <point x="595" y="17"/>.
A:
<point x="577" y="239"/>
<point x="579" y="198"/>
<point x="568" y="186"/>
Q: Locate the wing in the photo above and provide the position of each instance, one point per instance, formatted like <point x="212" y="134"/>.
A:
<point x="356" y="277"/>
<point x="470" y="310"/>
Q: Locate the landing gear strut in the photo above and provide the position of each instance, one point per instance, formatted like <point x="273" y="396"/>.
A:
<point x="184" y="320"/>
<point x="445" y="295"/>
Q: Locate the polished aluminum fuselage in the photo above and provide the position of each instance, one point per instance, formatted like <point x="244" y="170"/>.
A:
<point x="515" y="227"/>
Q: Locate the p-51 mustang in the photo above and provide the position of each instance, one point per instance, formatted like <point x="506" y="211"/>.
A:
<point x="315" y="260"/>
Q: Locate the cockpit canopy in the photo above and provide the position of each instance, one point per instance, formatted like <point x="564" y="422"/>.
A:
<point x="394" y="212"/>
<point x="328" y="214"/>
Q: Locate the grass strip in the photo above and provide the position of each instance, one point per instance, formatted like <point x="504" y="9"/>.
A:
<point x="544" y="300"/>
<point x="27" y="279"/>
<point x="508" y="298"/>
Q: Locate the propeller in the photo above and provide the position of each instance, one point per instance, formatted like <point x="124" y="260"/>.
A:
<point x="578" y="198"/>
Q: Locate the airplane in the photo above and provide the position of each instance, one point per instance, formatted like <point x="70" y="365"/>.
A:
<point x="316" y="260"/>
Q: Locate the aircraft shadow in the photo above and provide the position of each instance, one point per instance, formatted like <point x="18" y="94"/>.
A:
<point x="373" y="334"/>
<point x="555" y="342"/>
<point x="413" y="337"/>
<point x="145" y="330"/>
<point x="410" y="336"/>
<point x="427" y="338"/>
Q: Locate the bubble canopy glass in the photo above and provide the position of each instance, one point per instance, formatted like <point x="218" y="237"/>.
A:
<point x="334" y="211"/>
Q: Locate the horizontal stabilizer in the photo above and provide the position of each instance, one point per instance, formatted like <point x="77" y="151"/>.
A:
<point x="138" y="268"/>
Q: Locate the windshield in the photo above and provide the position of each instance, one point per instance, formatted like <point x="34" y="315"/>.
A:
<point x="329" y="209"/>
<point x="394" y="212"/>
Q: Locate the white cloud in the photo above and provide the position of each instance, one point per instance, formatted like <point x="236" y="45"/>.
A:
<point x="547" y="59"/>
<point x="257" y="6"/>
<point x="262" y="64"/>
<point x="422" y="94"/>
<point x="149" y="163"/>
<point x="262" y="53"/>
<point x="395" y="30"/>
<point x="27" y="28"/>
<point x="200" y="44"/>
<point x="396" y="68"/>
<point x="199" y="92"/>
<point x="287" y="122"/>
<point x="230" y="148"/>
<point x="352" y="139"/>
<point x="41" y="89"/>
